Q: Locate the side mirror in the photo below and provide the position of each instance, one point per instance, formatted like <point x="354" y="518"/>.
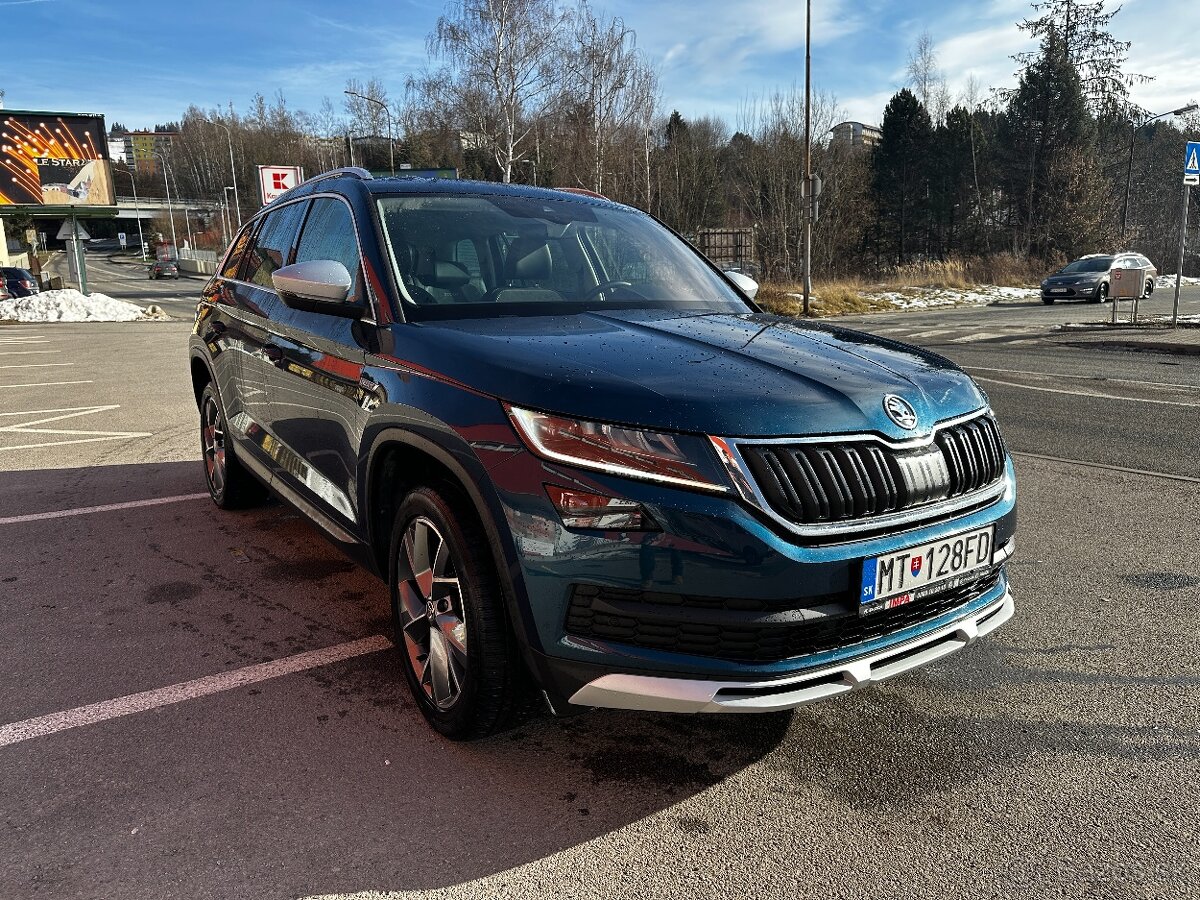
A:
<point x="743" y="283"/>
<point x="319" y="285"/>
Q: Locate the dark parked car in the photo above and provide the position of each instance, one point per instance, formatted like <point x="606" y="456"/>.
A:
<point x="164" y="268"/>
<point x="20" y="282"/>
<point x="1089" y="277"/>
<point x="583" y="460"/>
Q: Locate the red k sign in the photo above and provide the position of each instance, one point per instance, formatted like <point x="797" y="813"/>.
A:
<point x="275" y="181"/>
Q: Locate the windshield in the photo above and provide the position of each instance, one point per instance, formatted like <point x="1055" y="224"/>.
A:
<point x="498" y="255"/>
<point x="1094" y="264"/>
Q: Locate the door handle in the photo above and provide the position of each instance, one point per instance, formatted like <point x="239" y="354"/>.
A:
<point x="273" y="353"/>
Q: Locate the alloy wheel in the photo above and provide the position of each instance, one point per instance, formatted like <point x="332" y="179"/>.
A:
<point x="212" y="441"/>
<point x="431" y="611"/>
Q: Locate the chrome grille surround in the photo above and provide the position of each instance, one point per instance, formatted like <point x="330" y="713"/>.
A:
<point x="922" y="469"/>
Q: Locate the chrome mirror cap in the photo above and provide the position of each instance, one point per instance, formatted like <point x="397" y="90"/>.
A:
<point x="744" y="283"/>
<point x="324" y="280"/>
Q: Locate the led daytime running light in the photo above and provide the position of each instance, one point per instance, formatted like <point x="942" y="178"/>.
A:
<point x="615" y="449"/>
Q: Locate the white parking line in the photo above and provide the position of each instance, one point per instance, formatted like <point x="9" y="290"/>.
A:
<point x="83" y="437"/>
<point x="35" y="365"/>
<point x="1030" y="387"/>
<point x="45" y="384"/>
<point x="25" y="352"/>
<point x="108" y="507"/>
<point x="93" y="713"/>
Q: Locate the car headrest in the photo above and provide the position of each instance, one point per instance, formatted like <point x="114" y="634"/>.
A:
<point x="528" y="260"/>
<point x="446" y="275"/>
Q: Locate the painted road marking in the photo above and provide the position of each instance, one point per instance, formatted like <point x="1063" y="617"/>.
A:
<point x="1030" y="387"/>
<point x="978" y="336"/>
<point x="1049" y="375"/>
<point x="25" y="352"/>
<point x="45" y="384"/>
<point x="35" y="365"/>
<point x="1095" y="465"/>
<point x="82" y="437"/>
<point x="108" y="507"/>
<point x="144" y="701"/>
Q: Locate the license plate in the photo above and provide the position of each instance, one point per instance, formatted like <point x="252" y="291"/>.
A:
<point x="895" y="579"/>
<point x="1058" y="290"/>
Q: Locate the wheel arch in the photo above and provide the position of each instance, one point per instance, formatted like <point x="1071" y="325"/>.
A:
<point x="399" y="460"/>
<point x="202" y="375"/>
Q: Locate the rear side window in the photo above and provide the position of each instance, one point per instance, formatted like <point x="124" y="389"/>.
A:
<point x="273" y="243"/>
<point x="329" y="234"/>
<point x="233" y="262"/>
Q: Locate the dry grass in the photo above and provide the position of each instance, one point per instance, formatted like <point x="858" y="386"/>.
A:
<point x="850" y="296"/>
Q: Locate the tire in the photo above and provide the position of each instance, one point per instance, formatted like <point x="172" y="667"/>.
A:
<point x="1149" y="288"/>
<point x="1049" y="301"/>
<point x="448" y="614"/>
<point x="1101" y="294"/>
<point x="229" y="484"/>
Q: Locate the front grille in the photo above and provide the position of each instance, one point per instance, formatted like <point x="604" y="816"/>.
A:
<point x="765" y="633"/>
<point x="819" y="483"/>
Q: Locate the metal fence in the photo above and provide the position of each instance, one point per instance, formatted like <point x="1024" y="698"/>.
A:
<point x="210" y="256"/>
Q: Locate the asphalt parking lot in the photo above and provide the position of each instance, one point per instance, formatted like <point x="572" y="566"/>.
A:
<point x="201" y="704"/>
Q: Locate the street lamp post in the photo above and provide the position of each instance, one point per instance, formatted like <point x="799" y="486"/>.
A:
<point x="1191" y="107"/>
<point x="137" y="211"/>
<point x="170" y="208"/>
<point x="388" y="112"/>
<point x="225" y="196"/>
<point x="232" y="167"/>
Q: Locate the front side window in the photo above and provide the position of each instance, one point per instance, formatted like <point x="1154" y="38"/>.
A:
<point x="233" y="262"/>
<point x="273" y="243"/>
<point x="503" y="255"/>
<point x="329" y="234"/>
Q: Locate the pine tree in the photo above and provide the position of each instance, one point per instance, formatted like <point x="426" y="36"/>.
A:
<point x="1082" y="28"/>
<point x="901" y="174"/>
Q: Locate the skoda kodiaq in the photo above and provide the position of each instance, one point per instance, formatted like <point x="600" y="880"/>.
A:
<point x="586" y="463"/>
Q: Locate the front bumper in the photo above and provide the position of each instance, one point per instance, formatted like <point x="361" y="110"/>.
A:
<point x="1072" y="292"/>
<point x="683" y="695"/>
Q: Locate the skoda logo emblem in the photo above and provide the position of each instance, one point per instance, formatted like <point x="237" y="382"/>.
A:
<point x="900" y="411"/>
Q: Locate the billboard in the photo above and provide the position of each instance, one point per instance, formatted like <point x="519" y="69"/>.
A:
<point x="54" y="159"/>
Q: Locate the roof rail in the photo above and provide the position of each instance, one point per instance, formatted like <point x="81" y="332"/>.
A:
<point x="359" y="173"/>
<point x="584" y="192"/>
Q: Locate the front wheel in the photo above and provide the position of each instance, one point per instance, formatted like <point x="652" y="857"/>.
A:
<point x="448" y="615"/>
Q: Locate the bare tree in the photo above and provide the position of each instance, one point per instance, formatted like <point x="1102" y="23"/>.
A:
<point x="928" y="81"/>
<point x="610" y="80"/>
<point x="499" y="72"/>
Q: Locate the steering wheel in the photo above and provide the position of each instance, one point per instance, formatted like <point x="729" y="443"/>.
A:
<point x="605" y="286"/>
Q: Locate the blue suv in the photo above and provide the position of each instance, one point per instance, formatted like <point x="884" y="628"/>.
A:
<point x="586" y="464"/>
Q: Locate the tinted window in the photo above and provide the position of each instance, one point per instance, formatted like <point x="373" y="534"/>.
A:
<point x="233" y="262"/>
<point x="1094" y="264"/>
<point x="329" y="234"/>
<point x="273" y="243"/>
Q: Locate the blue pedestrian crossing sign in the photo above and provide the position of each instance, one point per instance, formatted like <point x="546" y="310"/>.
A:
<point x="1191" y="159"/>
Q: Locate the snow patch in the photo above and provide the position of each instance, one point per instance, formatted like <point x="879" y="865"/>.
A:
<point x="928" y="298"/>
<point x="1169" y="281"/>
<point x="69" y="305"/>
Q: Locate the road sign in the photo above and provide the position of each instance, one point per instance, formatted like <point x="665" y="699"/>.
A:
<point x="276" y="181"/>
<point x="66" y="233"/>
<point x="121" y="238"/>
<point x="1191" y="159"/>
<point x="1191" y="179"/>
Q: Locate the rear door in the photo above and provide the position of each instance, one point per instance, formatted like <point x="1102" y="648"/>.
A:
<point x="317" y="401"/>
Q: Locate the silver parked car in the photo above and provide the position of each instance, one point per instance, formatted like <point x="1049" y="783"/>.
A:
<point x="1088" y="277"/>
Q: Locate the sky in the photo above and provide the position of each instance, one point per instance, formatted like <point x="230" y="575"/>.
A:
<point x="142" y="64"/>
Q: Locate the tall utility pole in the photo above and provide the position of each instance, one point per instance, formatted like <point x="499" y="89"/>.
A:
<point x="388" y="113"/>
<point x="232" y="167"/>
<point x="137" y="211"/>
<point x="1191" y="107"/>
<point x="170" y="208"/>
<point x="807" y="192"/>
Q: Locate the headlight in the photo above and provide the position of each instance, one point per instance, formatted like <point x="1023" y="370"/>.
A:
<point x="1089" y="279"/>
<point x="677" y="459"/>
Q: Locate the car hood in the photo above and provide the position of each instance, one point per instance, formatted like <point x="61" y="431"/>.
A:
<point x="1075" y="279"/>
<point x="726" y="374"/>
